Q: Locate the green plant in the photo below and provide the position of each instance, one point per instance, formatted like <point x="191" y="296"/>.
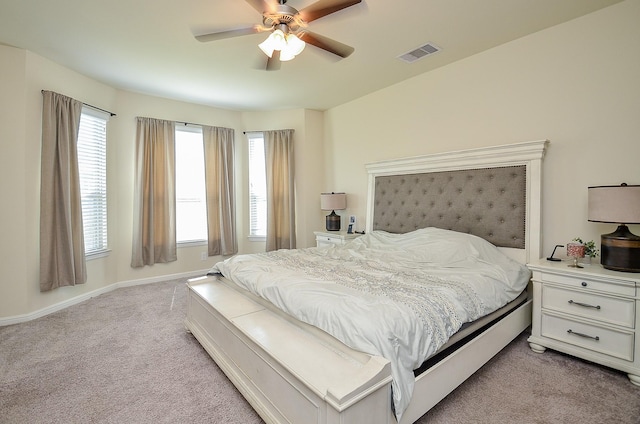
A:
<point x="589" y="247"/>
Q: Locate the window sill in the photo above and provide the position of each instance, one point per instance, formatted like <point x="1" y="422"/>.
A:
<point x="97" y="254"/>
<point x="192" y="243"/>
<point x="258" y="238"/>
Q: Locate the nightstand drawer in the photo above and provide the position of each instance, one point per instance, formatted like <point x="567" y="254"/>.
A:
<point x="333" y="238"/>
<point x="599" y="339"/>
<point x="586" y="283"/>
<point x="602" y="308"/>
<point x="325" y="239"/>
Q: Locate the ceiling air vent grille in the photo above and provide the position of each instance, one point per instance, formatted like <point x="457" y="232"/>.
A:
<point x="419" y="53"/>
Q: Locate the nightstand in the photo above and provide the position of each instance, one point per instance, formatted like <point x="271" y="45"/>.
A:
<point x="591" y="312"/>
<point x="329" y="238"/>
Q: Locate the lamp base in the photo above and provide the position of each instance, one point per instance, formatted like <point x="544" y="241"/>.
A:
<point x="620" y="250"/>
<point x="333" y="221"/>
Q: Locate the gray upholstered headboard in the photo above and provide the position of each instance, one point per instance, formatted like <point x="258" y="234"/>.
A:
<point x="491" y="192"/>
<point x="489" y="203"/>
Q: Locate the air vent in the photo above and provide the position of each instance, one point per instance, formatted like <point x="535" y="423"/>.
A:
<point x="419" y="53"/>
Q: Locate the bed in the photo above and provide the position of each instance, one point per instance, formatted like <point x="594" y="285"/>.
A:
<point x="291" y="371"/>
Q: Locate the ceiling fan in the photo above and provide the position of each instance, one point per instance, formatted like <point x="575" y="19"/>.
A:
<point x="288" y="29"/>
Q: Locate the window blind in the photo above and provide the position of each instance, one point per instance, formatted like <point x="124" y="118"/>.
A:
<point x="92" y="165"/>
<point x="257" y="186"/>
<point x="191" y="200"/>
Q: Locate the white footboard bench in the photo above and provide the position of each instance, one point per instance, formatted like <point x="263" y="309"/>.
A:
<point x="290" y="372"/>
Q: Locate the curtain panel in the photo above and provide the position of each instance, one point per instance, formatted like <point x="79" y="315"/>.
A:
<point x="154" y="221"/>
<point x="62" y="261"/>
<point x="219" y="161"/>
<point x="281" y="232"/>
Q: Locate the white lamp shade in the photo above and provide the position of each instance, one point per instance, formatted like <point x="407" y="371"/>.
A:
<point x="294" y="44"/>
<point x="286" y="56"/>
<point x="292" y="48"/>
<point x="614" y="204"/>
<point x="289" y="45"/>
<point x="333" y="201"/>
<point x="275" y="41"/>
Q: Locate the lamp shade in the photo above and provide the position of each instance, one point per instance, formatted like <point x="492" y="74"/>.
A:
<point x="333" y="201"/>
<point x="615" y="204"/>
<point x="293" y="48"/>
<point x="289" y="45"/>
<point x="275" y="41"/>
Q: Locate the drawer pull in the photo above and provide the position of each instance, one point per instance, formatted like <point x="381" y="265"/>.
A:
<point x="586" y="305"/>
<point x="584" y="284"/>
<point x="586" y="336"/>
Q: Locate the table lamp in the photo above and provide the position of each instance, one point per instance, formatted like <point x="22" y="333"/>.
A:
<point x="332" y="202"/>
<point x="620" y="250"/>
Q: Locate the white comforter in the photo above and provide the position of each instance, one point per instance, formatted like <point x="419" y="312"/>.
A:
<point x="399" y="296"/>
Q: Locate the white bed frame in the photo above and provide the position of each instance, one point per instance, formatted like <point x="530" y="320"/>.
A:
<point x="291" y="372"/>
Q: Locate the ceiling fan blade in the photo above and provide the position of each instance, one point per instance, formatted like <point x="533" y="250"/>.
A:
<point x="263" y="5"/>
<point x="323" y="8"/>
<point x="326" y="43"/>
<point x="227" y="34"/>
<point x="273" y="62"/>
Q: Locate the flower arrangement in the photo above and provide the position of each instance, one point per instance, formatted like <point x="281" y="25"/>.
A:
<point x="590" y="249"/>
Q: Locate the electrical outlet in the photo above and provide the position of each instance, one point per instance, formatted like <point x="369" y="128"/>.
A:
<point x="203" y="256"/>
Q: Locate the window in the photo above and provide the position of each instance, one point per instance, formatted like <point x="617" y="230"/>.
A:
<point x="191" y="204"/>
<point x="257" y="187"/>
<point x="92" y="165"/>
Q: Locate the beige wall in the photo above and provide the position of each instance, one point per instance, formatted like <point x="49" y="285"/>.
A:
<point x="576" y="84"/>
<point x="23" y="77"/>
<point x="13" y="189"/>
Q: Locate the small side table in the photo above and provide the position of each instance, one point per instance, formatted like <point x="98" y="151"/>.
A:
<point x="591" y="312"/>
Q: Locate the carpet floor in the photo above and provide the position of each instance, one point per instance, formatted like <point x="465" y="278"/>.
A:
<point x="125" y="357"/>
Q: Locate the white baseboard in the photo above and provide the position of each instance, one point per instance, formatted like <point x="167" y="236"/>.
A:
<point x="17" y="319"/>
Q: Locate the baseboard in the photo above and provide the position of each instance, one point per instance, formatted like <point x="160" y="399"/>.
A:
<point x="17" y="319"/>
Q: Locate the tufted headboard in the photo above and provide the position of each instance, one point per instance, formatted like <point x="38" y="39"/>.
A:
<point x="489" y="203"/>
<point x="493" y="193"/>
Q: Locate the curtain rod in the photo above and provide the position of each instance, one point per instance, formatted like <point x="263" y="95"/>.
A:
<point x="93" y="107"/>
<point x="101" y="110"/>
<point x="249" y="132"/>
<point x="199" y="125"/>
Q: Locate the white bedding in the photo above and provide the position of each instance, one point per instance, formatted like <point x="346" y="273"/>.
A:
<point x="399" y="296"/>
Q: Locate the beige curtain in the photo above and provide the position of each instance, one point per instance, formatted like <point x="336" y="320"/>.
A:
<point x="62" y="261"/>
<point x="154" y="208"/>
<point x="219" y="180"/>
<point x="281" y="232"/>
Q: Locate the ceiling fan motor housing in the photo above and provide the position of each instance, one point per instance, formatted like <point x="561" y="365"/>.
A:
<point x="283" y="15"/>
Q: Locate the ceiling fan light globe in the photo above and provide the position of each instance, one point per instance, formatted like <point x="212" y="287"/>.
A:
<point x="266" y="47"/>
<point x="278" y="40"/>
<point x="294" y="44"/>
<point x="275" y="41"/>
<point x="286" y="55"/>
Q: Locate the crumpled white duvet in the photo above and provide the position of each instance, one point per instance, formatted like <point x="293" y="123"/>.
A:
<point x="399" y="296"/>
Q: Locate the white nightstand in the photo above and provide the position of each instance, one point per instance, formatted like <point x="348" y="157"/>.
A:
<point x="329" y="238"/>
<point x="591" y="312"/>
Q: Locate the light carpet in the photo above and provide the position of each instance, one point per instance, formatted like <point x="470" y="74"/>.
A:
<point x="125" y="357"/>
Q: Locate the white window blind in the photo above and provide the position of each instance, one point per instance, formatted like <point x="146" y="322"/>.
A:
<point x="92" y="165"/>
<point x="257" y="186"/>
<point x="191" y="204"/>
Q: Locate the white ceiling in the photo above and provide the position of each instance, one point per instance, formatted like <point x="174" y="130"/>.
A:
<point x="148" y="46"/>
